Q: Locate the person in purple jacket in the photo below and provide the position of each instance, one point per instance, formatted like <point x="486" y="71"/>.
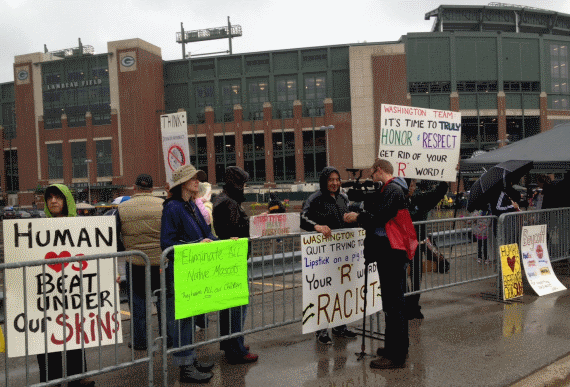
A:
<point x="183" y="223"/>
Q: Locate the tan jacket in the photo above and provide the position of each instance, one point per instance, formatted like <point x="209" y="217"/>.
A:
<point x="140" y="226"/>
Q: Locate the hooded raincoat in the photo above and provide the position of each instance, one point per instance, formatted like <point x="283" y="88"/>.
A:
<point x="69" y="201"/>
<point x="322" y="208"/>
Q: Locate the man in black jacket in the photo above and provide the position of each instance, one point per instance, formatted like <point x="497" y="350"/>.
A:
<point x="379" y="208"/>
<point x="323" y="211"/>
<point x="231" y="221"/>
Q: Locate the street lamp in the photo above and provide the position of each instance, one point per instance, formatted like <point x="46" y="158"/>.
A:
<point x="88" y="161"/>
<point x="326" y="129"/>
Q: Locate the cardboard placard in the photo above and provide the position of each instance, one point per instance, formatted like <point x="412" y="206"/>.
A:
<point x="536" y="261"/>
<point x="420" y="143"/>
<point x="80" y="286"/>
<point x="209" y="277"/>
<point x="512" y="271"/>
<point x="174" y="128"/>
<point x="333" y="280"/>
<point x="274" y="224"/>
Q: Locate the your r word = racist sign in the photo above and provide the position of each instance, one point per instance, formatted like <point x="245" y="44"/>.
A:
<point x="420" y="143"/>
<point x="76" y="303"/>
<point x="333" y="280"/>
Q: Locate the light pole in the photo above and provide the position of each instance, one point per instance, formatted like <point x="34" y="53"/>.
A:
<point x="326" y="129"/>
<point x="88" y="161"/>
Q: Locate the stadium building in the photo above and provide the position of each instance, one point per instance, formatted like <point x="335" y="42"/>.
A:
<point x="93" y="120"/>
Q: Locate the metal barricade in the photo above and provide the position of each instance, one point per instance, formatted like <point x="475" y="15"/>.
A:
<point x="273" y="264"/>
<point x="467" y="249"/>
<point x="510" y="226"/>
<point x="558" y="229"/>
<point x="109" y="358"/>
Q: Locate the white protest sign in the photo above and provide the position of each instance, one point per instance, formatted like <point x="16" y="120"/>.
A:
<point x="175" y="147"/>
<point x="420" y="143"/>
<point x="274" y="224"/>
<point x="38" y="239"/>
<point x="333" y="280"/>
<point x="536" y="261"/>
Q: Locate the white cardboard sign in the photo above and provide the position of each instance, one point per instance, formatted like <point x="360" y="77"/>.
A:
<point x="536" y="261"/>
<point x="37" y="239"/>
<point x="274" y="224"/>
<point x="420" y="143"/>
<point x="333" y="280"/>
<point x="175" y="147"/>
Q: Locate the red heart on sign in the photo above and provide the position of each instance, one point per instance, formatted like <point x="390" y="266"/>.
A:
<point x="511" y="262"/>
<point x="58" y="267"/>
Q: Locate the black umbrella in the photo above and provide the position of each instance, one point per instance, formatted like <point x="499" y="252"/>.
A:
<point x="496" y="178"/>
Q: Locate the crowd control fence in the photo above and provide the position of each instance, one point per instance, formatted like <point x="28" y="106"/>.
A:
<point x="467" y="246"/>
<point x="78" y="296"/>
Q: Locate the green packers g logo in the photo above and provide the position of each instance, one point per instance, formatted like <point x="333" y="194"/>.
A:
<point x="128" y="61"/>
<point x="22" y="75"/>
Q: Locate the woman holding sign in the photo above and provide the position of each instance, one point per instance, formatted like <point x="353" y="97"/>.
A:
<point x="59" y="203"/>
<point x="182" y="223"/>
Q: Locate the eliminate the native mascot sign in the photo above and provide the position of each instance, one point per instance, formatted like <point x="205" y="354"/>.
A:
<point x="87" y="290"/>
<point x="420" y="143"/>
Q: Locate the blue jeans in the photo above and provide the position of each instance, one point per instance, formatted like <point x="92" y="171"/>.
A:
<point x="231" y="321"/>
<point x="179" y="331"/>
<point x="138" y="299"/>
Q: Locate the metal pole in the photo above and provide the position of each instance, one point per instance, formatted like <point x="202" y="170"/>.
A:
<point x="11" y="167"/>
<point x="230" y="34"/>
<point x="183" y="41"/>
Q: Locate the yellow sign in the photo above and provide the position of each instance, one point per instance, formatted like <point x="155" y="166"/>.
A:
<point x="2" y="344"/>
<point x="512" y="273"/>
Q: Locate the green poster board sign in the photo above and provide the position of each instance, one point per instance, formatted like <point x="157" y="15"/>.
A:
<point x="209" y="277"/>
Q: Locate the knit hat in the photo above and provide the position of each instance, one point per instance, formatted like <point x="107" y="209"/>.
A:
<point x="144" y="181"/>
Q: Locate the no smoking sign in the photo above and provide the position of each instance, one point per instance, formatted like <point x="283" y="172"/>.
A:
<point x="176" y="157"/>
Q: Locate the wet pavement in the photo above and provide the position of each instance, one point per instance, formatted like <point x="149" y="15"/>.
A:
<point x="466" y="339"/>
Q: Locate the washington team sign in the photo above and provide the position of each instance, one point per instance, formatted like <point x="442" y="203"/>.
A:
<point x="420" y="143"/>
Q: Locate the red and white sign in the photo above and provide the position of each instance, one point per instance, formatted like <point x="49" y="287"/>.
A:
<point x="274" y="224"/>
<point x="175" y="147"/>
<point x="87" y="290"/>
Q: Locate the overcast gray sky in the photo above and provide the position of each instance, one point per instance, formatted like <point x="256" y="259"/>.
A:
<point x="267" y="24"/>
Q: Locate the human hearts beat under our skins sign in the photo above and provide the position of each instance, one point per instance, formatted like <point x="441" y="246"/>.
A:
<point x="76" y="303"/>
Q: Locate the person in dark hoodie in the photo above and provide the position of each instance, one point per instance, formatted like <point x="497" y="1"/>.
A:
<point x="232" y="222"/>
<point x="275" y="206"/>
<point x="323" y="211"/>
<point x="183" y="223"/>
<point x="59" y="203"/>
<point x="379" y="208"/>
<point x="420" y="203"/>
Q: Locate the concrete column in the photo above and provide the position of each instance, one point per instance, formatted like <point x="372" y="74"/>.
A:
<point x="502" y="117"/>
<point x="211" y="149"/>
<point x="268" y="144"/>
<point x="238" y="129"/>
<point x="543" y="103"/>
<point x="298" y="127"/>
